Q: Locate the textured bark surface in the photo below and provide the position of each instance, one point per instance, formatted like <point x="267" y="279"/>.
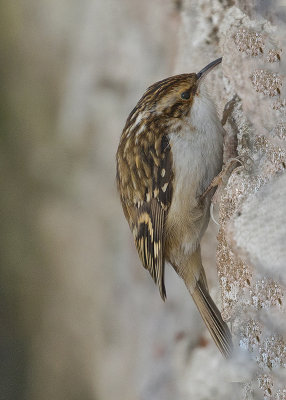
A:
<point x="80" y="317"/>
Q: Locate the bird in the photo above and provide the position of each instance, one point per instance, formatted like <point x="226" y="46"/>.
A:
<point x="170" y="151"/>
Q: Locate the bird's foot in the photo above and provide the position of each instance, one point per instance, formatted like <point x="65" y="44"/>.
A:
<point x="221" y="177"/>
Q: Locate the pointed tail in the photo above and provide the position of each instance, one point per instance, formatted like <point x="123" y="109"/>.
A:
<point x="212" y="318"/>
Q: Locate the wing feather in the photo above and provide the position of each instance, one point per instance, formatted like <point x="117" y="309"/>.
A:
<point x="148" y="226"/>
<point x="144" y="179"/>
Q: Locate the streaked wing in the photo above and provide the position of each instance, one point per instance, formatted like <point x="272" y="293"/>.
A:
<point x="149" y="225"/>
<point x="150" y="175"/>
<point x="148" y="236"/>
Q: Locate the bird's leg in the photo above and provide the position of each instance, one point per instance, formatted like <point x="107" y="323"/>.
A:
<point x="217" y="180"/>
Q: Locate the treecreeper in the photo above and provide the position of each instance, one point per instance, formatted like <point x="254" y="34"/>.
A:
<point x="170" y="151"/>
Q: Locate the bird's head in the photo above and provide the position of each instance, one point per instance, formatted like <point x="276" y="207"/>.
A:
<point x="173" y="97"/>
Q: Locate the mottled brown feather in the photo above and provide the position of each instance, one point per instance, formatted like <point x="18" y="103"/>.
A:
<point x="146" y="183"/>
<point x="144" y="169"/>
<point x="146" y="196"/>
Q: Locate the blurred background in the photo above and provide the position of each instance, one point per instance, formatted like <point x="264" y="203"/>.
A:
<point x="80" y="317"/>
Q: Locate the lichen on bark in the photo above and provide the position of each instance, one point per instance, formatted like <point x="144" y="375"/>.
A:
<point x="249" y="289"/>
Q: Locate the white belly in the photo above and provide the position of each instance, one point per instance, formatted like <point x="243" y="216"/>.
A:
<point x="197" y="159"/>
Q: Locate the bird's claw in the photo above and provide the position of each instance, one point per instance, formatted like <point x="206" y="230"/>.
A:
<point x="219" y="179"/>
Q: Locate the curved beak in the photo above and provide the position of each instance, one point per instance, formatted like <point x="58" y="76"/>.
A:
<point x="208" y="68"/>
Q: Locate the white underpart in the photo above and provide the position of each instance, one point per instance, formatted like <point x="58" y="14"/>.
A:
<point x="197" y="159"/>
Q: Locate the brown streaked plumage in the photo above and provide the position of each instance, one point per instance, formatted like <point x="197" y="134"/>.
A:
<point x="169" y="152"/>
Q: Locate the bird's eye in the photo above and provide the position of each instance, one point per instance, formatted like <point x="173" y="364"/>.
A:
<point x="186" y="95"/>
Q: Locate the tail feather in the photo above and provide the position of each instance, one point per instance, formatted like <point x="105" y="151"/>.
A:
<point x="213" y="320"/>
